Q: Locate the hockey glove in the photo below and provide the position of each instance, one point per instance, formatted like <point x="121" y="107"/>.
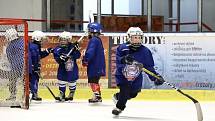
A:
<point x="64" y="58"/>
<point x="76" y="45"/>
<point x="160" y="81"/>
<point x="127" y="60"/>
<point x="36" y="70"/>
<point x="50" y="50"/>
<point x="139" y="65"/>
<point x="37" y="73"/>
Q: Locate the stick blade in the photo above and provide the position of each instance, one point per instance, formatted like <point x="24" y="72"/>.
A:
<point x="199" y="111"/>
<point x="91" y="17"/>
<point x="51" y="92"/>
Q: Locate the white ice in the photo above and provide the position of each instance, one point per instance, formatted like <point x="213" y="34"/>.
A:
<point x="81" y="110"/>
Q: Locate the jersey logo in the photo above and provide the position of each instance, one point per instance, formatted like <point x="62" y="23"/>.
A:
<point x="131" y="72"/>
<point x="69" y="65"/>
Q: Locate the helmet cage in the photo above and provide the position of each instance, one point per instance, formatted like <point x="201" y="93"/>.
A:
<point x="135" y="31"/>
<point x="11" y="34"/>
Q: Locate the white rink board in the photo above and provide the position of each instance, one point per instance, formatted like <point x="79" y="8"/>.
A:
<point x="80" y="110"/>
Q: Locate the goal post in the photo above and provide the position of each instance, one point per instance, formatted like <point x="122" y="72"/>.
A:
<point x="14" y="74"/>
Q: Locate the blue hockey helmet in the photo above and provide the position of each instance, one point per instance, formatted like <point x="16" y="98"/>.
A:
<point x="94" y="27"/>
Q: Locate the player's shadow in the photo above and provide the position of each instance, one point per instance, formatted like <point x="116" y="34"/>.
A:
<point x="138" y="118"/>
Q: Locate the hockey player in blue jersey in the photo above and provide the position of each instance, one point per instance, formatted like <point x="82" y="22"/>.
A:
<point x="15" y="56"/>
<point x="35" y="55"/>
<point x="128" y="74"/>
<point x="68" y="69"/>
<point x="94" y="59"/>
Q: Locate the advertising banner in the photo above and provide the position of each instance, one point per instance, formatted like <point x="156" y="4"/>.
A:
<point x="186" y="60"/>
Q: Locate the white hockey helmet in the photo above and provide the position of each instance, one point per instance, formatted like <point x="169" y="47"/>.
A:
<point x="136" y="41"/>
<point x="65" y="36"/>
<point x="11" y="34"/>
<point x="38" y="36"/>
<point x="134" y="31"/>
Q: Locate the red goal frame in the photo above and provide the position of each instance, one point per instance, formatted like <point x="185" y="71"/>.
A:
<point x="16" y="22"/>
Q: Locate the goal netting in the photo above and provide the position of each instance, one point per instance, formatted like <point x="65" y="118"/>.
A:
<point x="14" y="84"/>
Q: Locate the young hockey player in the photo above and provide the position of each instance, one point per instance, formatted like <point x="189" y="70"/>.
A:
<point x="68" y="69"/>
<point x="94" y="59"/>
<point x="128" y="74"/>
<point x="15" y="56"/>
<point x="35" y="55"/>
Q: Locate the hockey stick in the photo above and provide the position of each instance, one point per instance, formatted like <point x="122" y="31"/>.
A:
<point x="51" y="92"/>
<point x="56" y="98"/>
<point x="91" y="19"/>
<point x="79" y="40"/>
<point x="197" y="104"/>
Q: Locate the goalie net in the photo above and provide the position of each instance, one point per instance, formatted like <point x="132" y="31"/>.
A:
<point x="14" y="84"/>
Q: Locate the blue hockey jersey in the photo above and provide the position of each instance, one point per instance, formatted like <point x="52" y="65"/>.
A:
<point x="62" y="73"/>
<point x="95" y="58"/>
<point x="142" y="55"/>
<point x="36" y="54"/>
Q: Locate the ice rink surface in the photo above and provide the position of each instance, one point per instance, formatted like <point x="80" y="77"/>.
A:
<point x="81" y="110"/>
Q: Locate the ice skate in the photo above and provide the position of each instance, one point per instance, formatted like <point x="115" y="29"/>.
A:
<point x="95" y="99"/>
<point x="116" y="111"/>
<point x="36" y="97"/>
<point x="70" y="96"/>
<point x="61" y="97"/>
